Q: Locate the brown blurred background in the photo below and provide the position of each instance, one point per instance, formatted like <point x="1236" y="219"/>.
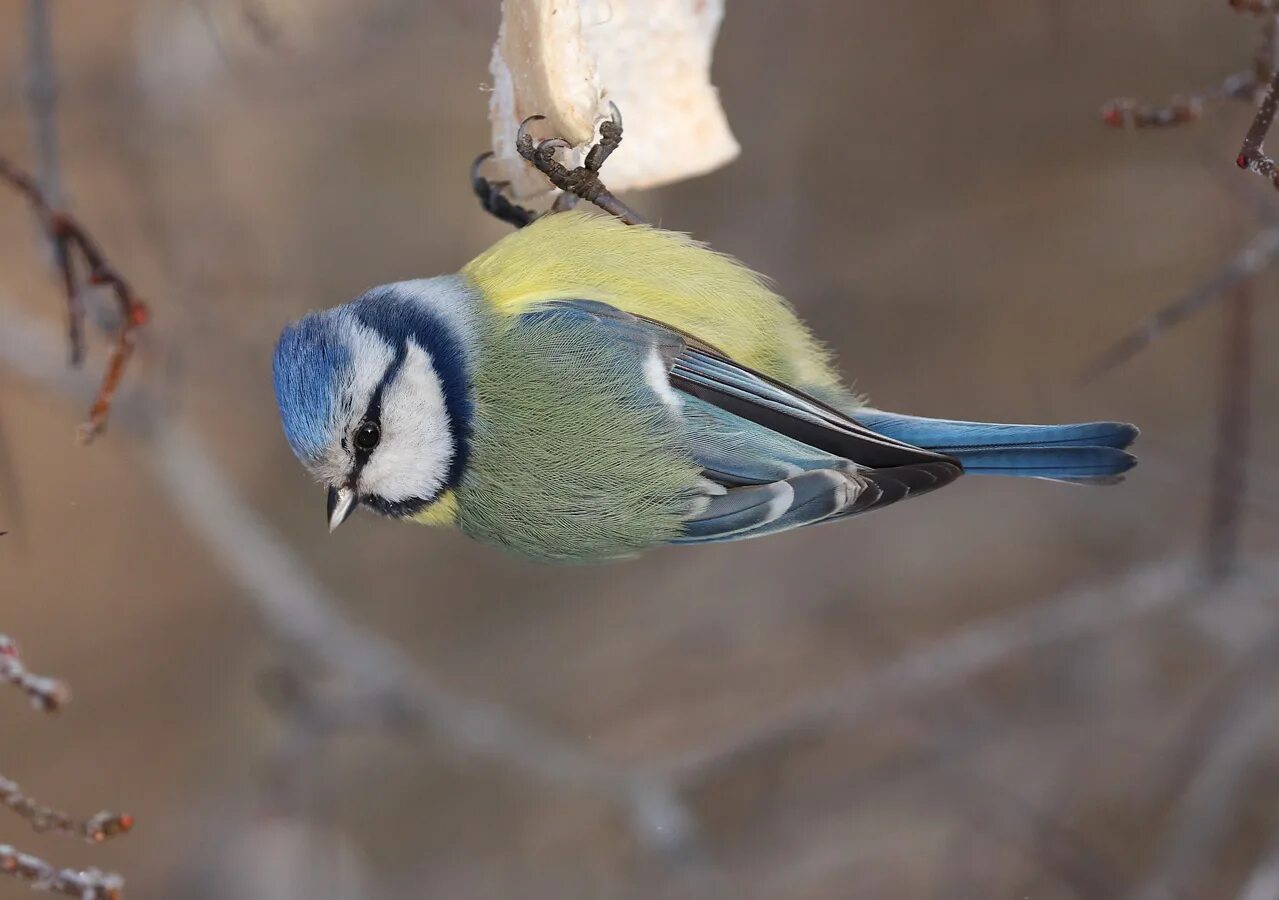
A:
<point x="931" y="186"/>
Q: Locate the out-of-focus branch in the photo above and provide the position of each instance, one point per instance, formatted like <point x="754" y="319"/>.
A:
<point x="1252" y="155"/>
<point x="386" y="686"/>
<point x="1126" y="112"/>
<point x="42" y="101"/>
<point x="1258" y="255"/>
<point x="1263" y="883"/>
<point x="1230" y="463"/>
<point x="1225" y="745"/>
<point x="46" y="694"/>
<point x="971" y="651"/>
<point x="95" y="829"/>
<point x="50" y="695"/>
<point x="84" y="884"/>
<point x="1229" y="470"/>
<point x="70" y="239"/>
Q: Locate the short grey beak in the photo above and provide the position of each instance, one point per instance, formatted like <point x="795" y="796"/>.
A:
<point x="342" y="502"/>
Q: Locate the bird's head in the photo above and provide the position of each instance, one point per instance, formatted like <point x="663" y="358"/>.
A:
<point x="374" y="395"/>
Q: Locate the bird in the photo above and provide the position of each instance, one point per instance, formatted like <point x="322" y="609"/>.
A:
<point x="587" y="390"/>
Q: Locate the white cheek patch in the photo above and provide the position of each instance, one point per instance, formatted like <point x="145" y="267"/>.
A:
<point x="417" y="444"/>
<point x="657" y="375"/>
<point x="371" y="354"/>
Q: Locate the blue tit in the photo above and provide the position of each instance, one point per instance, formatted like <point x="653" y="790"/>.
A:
<point x="586" y="390"/>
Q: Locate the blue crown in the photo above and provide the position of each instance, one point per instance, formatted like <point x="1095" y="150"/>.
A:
<point x="310" y="357"/>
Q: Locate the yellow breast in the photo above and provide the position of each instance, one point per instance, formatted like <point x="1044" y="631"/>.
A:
<point x="443" y="512"/>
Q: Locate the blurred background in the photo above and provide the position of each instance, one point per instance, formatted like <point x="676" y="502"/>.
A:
<point x="1011" y="689"/>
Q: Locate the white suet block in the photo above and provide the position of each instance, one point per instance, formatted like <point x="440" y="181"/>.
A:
<point x="566" y="59"/>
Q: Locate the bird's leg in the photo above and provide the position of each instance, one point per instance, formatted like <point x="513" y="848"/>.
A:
<point x="493" y="197"/>
<point x="583" y="181"/>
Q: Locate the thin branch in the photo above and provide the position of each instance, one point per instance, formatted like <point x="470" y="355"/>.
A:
<point x="42" y="101"/>
<point x="47" y="694"/>
<point x="1259" y="255"/>
<point x="1229" y="482"/>
<point x="70" y="237"/>
<point x="1128" y="113"/>
<point x="84" y="884"/>
<point x="1252" y="155"/>
<point x="94" y="830"/>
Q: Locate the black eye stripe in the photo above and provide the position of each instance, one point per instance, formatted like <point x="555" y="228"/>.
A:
<point x="372" y="418"/>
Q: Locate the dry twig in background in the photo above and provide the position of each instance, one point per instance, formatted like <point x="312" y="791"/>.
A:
<point x="50" y="695"/>
<point x="1230" y="462"/>
<point x="1125" y="112"/>
<point x="85" y="884"/>
<point x="94" y="830"/>
<point x="70" y="239"/>
<point x="1260" y="86"/>
<point x="1258" y="255"/>
<point x="42" y="101"/>
<point x="67" y="240"/>
<point x="1228" y="740"/>
<point x="47" y="694"/>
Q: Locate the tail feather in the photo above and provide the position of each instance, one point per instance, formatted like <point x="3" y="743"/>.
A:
<point x="1086" y="453"/>
<point x="946" y="436"/>
<point x="1061" y="463"/>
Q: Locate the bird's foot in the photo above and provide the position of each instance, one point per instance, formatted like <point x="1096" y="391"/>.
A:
<point x="583" y="181"/>
<point x="493" y="197"/>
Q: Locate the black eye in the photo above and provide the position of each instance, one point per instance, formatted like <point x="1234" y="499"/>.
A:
<point x="367" y="436"/>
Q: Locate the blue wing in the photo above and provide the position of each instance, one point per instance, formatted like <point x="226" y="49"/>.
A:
<point x="774" y="457"/>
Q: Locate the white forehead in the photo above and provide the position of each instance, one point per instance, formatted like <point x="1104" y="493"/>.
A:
<point x="417" y="447"/>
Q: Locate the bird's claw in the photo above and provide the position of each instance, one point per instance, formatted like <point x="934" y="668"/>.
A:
<point x="493" y="197"/>
<point x="582" y="181"/>
<point x="521" y="135"/>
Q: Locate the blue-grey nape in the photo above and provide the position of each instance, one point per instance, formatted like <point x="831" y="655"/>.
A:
<point x="310" y="359"/>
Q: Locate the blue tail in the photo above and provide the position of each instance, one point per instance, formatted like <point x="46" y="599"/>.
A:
<point x="1088" y="453"/>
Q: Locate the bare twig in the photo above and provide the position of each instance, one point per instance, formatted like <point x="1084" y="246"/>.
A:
<point x="1252" y="155"/>
<point x="47" y="694"/>
<point x="1233" y="421"/>
<point x="85" y="884"/>
<point x="1125" y="112"/>
<point x="1128" y="113"/>
<point x="1259" y="255"/>
<point x="95" y="829"/>
<point x="69" y="238"/>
